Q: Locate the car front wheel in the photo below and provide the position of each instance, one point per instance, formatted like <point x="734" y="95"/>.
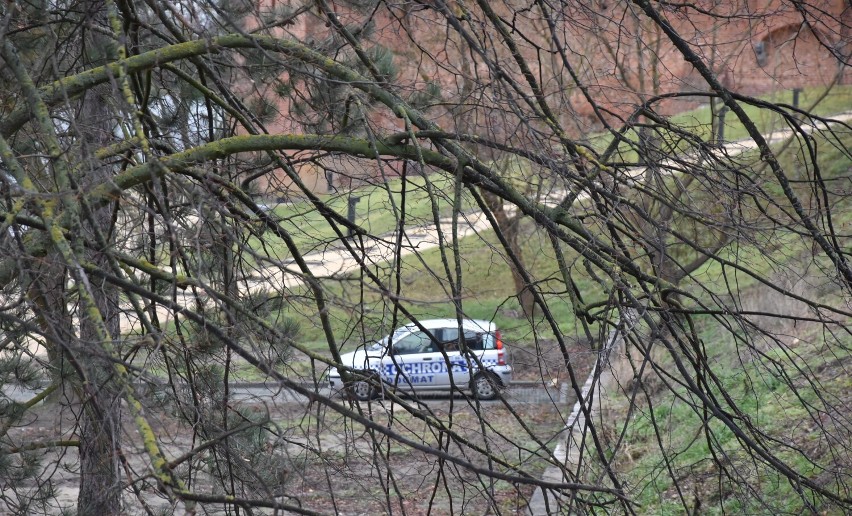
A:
<point x="364" y="390"/>
<point x="485" y="386"/>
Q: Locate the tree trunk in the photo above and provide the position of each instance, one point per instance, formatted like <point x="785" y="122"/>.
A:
<point x="100" y="421"/>
<point x="100" y="425"/>
<point x="510" y="227"/>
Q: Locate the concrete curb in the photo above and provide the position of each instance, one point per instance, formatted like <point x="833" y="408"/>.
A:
<point x="569" y="450"/>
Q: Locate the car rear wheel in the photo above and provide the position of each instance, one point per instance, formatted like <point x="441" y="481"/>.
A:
<point x="364" y="390"/>
<point x="485" y="386"/>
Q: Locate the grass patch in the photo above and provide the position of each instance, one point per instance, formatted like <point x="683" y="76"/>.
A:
<point x="360" y="312"/>
<point x="768" y="378"/>
<point x="378" y="209"/>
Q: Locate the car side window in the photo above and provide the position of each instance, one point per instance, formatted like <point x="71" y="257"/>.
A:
<point x="416" y="342"/>
<point x="450" y="339"/>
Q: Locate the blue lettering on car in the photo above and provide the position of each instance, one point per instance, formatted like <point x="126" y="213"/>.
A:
<point x="416" y="368"/>
<point x="424" y="372"/>
<point x="460" y="367"/>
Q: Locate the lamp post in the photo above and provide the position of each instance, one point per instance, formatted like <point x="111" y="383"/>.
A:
<point x="720" y="133"/>
<point x="350" y="213"/>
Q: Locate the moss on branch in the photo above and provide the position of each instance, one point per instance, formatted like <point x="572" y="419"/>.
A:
<point x="262" y="142"/>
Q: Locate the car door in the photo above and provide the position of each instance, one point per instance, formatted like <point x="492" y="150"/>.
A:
<point x="414" y="362"/>
<point x="460" y="365"/>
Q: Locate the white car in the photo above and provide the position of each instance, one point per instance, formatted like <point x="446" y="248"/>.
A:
<point x="434" y="355"/>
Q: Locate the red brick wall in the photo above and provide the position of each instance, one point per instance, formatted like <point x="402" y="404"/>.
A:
<point x="620" y="57"/>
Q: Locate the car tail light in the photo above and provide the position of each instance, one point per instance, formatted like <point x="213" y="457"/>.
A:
<point x="501" y="358"/>
<point x="498" y="344"/>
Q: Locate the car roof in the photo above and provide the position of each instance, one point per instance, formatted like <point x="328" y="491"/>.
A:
<point x="467" y="324"/>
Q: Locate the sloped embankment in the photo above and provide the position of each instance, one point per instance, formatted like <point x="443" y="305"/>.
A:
<point x="781" y="439"/>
